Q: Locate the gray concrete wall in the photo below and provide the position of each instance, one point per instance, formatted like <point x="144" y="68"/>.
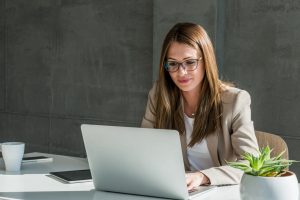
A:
<point x="261" y="55"/>
<point x="2" y="55"/>
<point x="64" y="63"/>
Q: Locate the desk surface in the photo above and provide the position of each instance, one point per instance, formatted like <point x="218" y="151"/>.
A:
<point x="33" y="183"/>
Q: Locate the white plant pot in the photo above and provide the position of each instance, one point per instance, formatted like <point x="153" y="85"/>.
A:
<point x="275" y="188"/>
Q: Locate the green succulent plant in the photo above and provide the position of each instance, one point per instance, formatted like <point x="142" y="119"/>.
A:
<point x="263" y="164"/>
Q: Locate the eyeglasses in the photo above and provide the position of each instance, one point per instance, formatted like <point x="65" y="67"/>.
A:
<point x="188" y="65"/>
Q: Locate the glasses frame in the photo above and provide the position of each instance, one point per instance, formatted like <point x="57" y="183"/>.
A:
<point x="180" y="64"/>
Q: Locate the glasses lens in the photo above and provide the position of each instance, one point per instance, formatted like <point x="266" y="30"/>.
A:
<point x="171" y="66"/>
<point x="190" y="64"/>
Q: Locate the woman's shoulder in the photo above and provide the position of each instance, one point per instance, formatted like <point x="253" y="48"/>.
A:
<point x="153" y="89"/>
<point x="230" y="94"/>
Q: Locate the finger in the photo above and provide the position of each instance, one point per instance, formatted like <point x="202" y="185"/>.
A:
<point x="190" y="186"/>
<point x="190" y="183"/>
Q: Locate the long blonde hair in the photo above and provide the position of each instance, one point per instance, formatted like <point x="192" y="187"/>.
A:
<point x="169" y="108"/>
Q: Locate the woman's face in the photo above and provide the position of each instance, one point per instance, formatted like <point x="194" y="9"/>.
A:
<point x="187" y="81"/>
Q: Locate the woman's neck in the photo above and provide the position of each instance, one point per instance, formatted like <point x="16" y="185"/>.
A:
<point x="190" y="99"/>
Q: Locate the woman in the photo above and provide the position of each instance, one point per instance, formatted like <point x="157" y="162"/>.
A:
<point x="213" y="119"/>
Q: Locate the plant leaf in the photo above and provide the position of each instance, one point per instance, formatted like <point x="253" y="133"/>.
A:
<point x="263" y="164"/>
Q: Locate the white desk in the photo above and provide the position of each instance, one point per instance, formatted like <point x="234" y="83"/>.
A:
<point x="32" y="183"/>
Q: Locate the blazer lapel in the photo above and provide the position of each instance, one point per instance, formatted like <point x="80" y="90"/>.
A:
<point x="212" y="145"/>
<point x="183" y="142"/>
<point x="184" y="152"/>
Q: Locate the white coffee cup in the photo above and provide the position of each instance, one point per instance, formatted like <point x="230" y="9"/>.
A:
<point x="12" y="153"/>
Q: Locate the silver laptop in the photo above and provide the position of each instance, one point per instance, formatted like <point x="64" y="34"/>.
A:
<point x="137" y="161"/>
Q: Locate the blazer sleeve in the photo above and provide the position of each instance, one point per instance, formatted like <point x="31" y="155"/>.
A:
<point x="149" y="117"/>
<point x="243" y="134"/>
<point x="242" y="138"/>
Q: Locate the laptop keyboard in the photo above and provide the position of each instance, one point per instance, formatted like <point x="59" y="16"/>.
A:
<point x="200" y="190"/>
<point x="193" y="190"/>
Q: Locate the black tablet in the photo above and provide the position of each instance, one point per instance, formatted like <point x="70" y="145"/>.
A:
<point x="31" y="159"/>
<point x="74" y="176"/>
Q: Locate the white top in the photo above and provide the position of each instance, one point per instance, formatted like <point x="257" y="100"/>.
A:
<point x="198" y="155"/>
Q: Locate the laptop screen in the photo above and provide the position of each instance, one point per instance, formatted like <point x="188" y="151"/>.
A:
<point x="136" y="160"/>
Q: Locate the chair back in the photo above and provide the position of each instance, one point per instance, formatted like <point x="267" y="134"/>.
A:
<point x="275" y="142"/>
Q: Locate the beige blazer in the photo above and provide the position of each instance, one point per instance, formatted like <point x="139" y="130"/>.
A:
<point x="237" y="136"/>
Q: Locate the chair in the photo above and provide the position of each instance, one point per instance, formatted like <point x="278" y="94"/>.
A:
<point x="275" y="142"/>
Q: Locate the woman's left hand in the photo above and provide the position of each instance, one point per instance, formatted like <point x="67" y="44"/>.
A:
<point x="196" y="179"/>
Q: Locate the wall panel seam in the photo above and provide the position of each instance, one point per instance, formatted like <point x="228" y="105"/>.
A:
<point x="51" y="116"/>
<point x="4" y="53"/>
<point x="220" y="34"/>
